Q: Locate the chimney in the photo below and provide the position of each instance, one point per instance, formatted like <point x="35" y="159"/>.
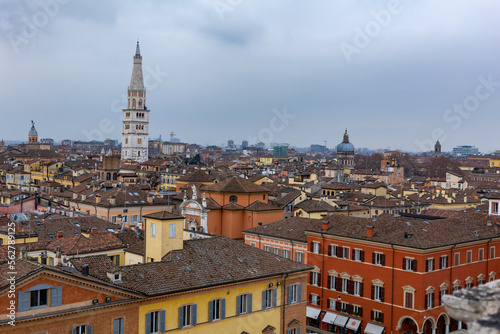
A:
<point x="112" y="200"/>
<point x="97" y="199"/>
<point x="93" y="230"/>
<point x="324" y="225"/>
<point x="59" y="234"/>
<point x="85" y="270"/>
<point x="84" y="197"/>
<point x="204" y="201"/>
<point x="75" y="195"/>
<point x="150" y="198"/>
<point x="369" y="231"/>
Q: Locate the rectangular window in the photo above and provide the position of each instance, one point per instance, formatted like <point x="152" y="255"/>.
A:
<point x="80" y="330"/>
<point x="153" y="229"/>
<point x="480" y="255"/>
<point x="378" y="259"/>
<point x="216" y="309"/>
<point x="377" y="316"/>
<point x="172" y="231"/>
<point x="429" y="300"/>
<point x="345" y="285"/>
<point x="357" y="288"/>
<point x="492" y="252"/>
<point x="333" y="282"/>
<point x="39" y="298"/>
<point x="113" y="219"/>
<point x="444" y="262"/>
<point x="441" y="294"/>
<point x="154" y="322"/>
<point x="118" y="326"/>
<point x="315" y="247"/>
<point x="408" y="299"/>
<point x="186" y="316"/>
<point x="356" y="309"/>
<point x="242" y="304"/>
<point x="332" y="303"/>
<point x="268" y="298"/>
<point x="267" y="248"/>
<point x="494" y="207"/>
<point x="299" y="257"/>
<point x="357" y="255"/>
<point x="410" y="265"/>
<point x="429" y="265"/>
<point x="286" y="253"/>
<point x="276" y="251"/>
<point x="333" y="250"/>
<point x="456" y="261"/>
<point x="343" y="307"/>
<point x="346" y="252"/>
<point x="377" y="293"/>
<point x="314" y="299"/>
<point x="315" y="278"/>
<point x="469" y="256"/>
<point x="135" y="218"/>
<point x="293" y="294"/>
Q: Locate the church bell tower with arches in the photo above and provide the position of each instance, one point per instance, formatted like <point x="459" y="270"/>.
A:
<point x="135" y="131"/>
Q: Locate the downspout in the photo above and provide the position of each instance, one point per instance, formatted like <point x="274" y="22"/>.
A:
<point x="322" y="272"/>
<point x="392" y="288"/>
<point x="284" y="304"/>
<point x="487" y="255"/>
<point x="451" y="267"/>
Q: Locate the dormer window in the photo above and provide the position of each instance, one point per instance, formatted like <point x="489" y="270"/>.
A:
<point x="233" y="199"/>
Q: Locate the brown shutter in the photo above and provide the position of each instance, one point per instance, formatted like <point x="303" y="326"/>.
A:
<point x="427" y="265"/>
<point x="383" y="259"/>
<point x="337" y="306"/>
<point x="440" y="264"/>
<point x="362" y="256"/>
<point x="338" y="284"/>
<point x="373" y="257"/>
<point x="350" y="287"/>
<point x="329" y="250"/>
<point x="381" y="317"/>
<point x="311" y="246"/>
<point x="353" y="254"/>
<point x="447" y="265"/>
<point x="439" y="298"/>
<point x="310" y="298"/>
<point x="415" y="265"/>
<point x="426" y="302"/>
<point x="329" y="282"/>
<point x="311" y="277"/>
<point x="373" y="292"/>
<point x="361" y="288"/>
<point x="433" y="301"/>
<point x="404" y="263"/>
<point x="349" y="309"/>
<point x="360" y="312"/>
<point x="319" y="280"/>
<point x="433" y="264"/>
<point x="382" y="294"/>
<point x="372" y="315"/>
<point x="340" y="251"/>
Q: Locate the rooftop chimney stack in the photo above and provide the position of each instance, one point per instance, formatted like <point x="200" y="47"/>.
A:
<point x="325" y="225"/>
<point x="369" y="231"/>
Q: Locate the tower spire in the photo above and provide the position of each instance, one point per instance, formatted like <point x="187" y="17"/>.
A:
<point x="137" y="49"/>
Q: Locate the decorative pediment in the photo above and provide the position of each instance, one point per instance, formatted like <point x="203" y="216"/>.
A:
<point x="268" y="330"/>
<point x="430" y="289"/>
<point x="469" y="279"/>
<point x="333" y="272"/>
<point x="357" y="278"/>
<point x="316" y="269"/>
<point x="294" y="323"/>
<point x="443" y="286"/>
<point x="345" y="275"/>
<point x="377" y="282"/>
<point x="408" y="288"/>
<point x="457" y="282"/>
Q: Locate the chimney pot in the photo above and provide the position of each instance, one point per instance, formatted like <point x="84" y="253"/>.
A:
<point x="59" y="234"/>
<point x="85" y="270"/>
<point x="93" y="230"/>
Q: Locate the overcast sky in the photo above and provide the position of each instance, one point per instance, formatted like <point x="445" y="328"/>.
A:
<point x="396" y="74"/>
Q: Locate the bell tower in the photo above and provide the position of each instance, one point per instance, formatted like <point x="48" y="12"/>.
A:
<point x="33" y="134"/>
<point x="135" y="131"/>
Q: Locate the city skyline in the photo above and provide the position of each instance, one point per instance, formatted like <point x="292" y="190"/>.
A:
<point x="394" y="73"/>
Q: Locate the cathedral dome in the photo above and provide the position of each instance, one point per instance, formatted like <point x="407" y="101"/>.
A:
<point x="33" y="131"/>
<point x="345" y="145"/>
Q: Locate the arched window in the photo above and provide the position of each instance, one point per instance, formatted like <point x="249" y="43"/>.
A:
<point x="233" y="199"/>
<point x="108" y="176"/>
<point x="115" y="176"/>
<point x="140" y="103"/>
<point x="133" y="103"/>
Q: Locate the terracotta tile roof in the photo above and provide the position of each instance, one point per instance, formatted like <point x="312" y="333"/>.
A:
<point x="79" y="244"/>
<point x="202" y="263"/>
<point x="236" y="185"/>
<point x="197" y="176"/>
<point x="288" y="197"/>
<point x="260" y="206"/>
<point x="415" y="233"/>
<point x="293" y="228"/>
<point x="315" y="206"/>
<point x="164" y="215"/>
<point x="233" y="207"/>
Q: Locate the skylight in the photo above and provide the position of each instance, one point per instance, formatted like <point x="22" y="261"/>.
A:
<point x="408" y="223"/>
<point x="239" y="260"/>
